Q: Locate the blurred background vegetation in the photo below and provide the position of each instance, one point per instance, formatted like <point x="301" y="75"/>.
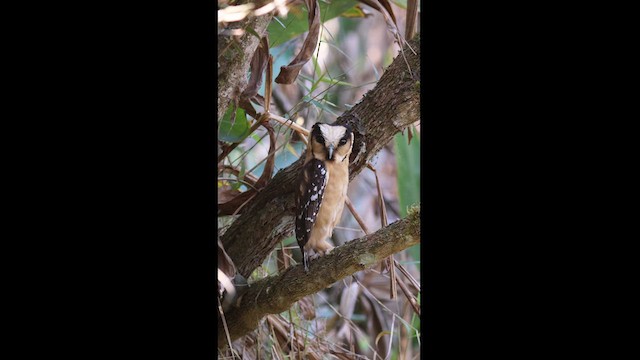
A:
<point x="356" y="317"/>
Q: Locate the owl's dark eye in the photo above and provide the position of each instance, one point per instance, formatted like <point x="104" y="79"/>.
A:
<point x="342" y="142"/>
<point x="319" y="139"/>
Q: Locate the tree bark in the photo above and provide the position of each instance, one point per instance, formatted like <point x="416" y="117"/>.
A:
<point x="384" y="111"/>
<point x="275" y="294"/>
<point x="234" y="59"/>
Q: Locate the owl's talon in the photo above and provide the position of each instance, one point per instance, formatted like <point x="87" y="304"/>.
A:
<point x="305" y="260"/>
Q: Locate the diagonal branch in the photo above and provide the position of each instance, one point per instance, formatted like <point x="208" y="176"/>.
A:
<point x="384" y="111"/>
<point x="278" y="293"/>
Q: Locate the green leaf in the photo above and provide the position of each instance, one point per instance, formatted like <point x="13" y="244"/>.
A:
<point x="354" y="12"/>
<point x="234" y="131"/>
<point x="408" y="158"/>
<point x="297" y="21"/>
<point x="408" y="177"/>
<point x="400" y="3"/>
<point x="328" y="81"/>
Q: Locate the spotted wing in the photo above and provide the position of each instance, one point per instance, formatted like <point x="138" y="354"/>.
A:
<point x="309" y="198"/>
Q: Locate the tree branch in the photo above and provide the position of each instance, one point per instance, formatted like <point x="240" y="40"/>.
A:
<point x="384" y="111"/>
<point x="234" y="57"/>
<point x="275" y="294"/>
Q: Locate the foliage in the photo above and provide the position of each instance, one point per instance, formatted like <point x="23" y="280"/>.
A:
<point x="355" y="318"/>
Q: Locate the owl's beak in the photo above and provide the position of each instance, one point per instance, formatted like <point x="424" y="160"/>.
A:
<point x="330" y="149"/>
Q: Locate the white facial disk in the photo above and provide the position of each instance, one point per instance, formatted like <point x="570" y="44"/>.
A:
<point x="332" y="134"/>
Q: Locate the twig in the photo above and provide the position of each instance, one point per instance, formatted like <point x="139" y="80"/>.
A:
<point x="387" y="263"/>
<point x="247" y="176"/>
<point x="224" y="322"/>
<point x="406" y="273"/>
<point x="410" y="296"/>
<point x="356" y="216"/>
<point x="290" y="123"/>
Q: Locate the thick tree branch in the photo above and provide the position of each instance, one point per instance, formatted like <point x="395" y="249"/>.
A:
<point x="278" y="293"/>
<point x="234" y="57"/>
<point x="387" y="109"/>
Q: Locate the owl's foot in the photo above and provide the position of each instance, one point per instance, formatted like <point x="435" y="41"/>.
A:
<point x="305" y="260"/>
<point x="319" y="253"/>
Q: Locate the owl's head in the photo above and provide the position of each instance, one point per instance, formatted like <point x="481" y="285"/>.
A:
<point x="330" y="142"/>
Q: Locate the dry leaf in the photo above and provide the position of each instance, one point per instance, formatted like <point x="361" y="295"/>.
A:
<point x="387" y="6"/>
<point x="258" y="65"/>
<point x="245" y="104"/>
<point x="258" y="99"/>
<point x="289" y="73"/>
<point x="391" y="22"/>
